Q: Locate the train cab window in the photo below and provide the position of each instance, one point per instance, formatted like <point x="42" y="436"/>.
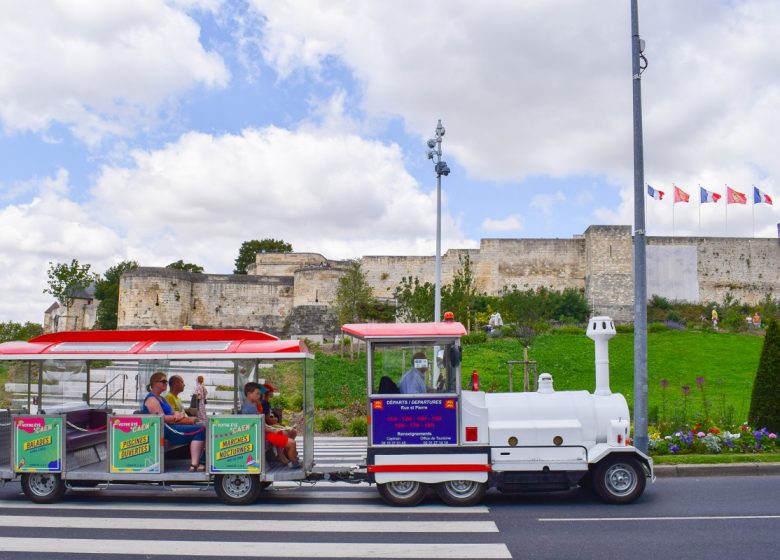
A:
<point x="413" y="369"/>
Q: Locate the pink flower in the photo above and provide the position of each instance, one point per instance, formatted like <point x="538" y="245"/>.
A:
<point x="700" y="434"/>
<point x="772" y="436"/>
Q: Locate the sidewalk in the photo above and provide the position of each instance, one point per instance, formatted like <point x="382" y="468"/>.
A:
<point x="725" y="469"/>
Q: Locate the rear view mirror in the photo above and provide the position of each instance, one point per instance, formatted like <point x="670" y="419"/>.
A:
<point x="455" y="356"/>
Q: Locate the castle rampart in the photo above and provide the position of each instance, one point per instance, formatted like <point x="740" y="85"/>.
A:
<point x="291" y="293"/>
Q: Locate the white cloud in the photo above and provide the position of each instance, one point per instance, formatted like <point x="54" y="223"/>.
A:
<point x="51" y="228"/>
<point x="513" y="222"/>
<point x="545" y="202"/>
<point x="98" y="67"/>
<point x="200" y="197"/>
<point x="530" y="88"/>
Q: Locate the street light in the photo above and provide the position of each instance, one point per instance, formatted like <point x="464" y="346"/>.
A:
<point x="440" y="167"/>
<point x="638" y="65"/>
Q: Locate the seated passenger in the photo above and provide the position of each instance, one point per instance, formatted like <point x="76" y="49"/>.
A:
<point x="287" y="450"/>
<point x="175" y="387"/>
<point x="274" y="415"/>
<point x="413" y="381"/>
<point x="185" y="430"/>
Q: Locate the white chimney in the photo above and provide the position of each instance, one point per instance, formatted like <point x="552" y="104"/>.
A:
<point x="600" y="330"/>
<point x="545" y="384"/>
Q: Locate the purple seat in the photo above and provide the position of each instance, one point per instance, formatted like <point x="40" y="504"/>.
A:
<point x="91" y="419"/>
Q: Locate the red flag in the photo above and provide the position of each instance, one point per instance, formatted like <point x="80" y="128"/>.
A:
<point x="680" y="195"/>
<point x="735" y="197"/>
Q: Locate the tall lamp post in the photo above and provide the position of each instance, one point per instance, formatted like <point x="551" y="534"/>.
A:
<point x="434" y="153"/>
<point x="638" y="64"/>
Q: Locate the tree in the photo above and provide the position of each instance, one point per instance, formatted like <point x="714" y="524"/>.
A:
<point x="65" y="280"/>
<point x="249" y="249"/>
<point x="765" y="402"/>
<point x="459" y="296"/>
<point x="18" y="331"/>
<point x="414" y="300"/>
<point x="107" y="292"/>
<point x="189" y="267"/>
<point x="354" y="295"/>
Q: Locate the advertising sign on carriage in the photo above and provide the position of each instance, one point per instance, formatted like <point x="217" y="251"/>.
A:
<point x="135" y="444"/>
<point x="414" y="421"/>
<point x="38" y="444"/>
<point x="235" y="444"/>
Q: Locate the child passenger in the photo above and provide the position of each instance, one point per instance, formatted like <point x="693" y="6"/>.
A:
<point x="287" y="451"/>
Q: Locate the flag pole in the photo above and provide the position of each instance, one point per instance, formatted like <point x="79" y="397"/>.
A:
<point x="674" y="203"/>
<point x="727" y="210"/>
<point x="754" y="217"/>
<point x="699" y="210"/>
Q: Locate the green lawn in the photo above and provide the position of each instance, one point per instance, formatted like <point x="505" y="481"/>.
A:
<point x="4" y="397"/>
<point x="727" y="362"/>
<point x="717" y="459"/>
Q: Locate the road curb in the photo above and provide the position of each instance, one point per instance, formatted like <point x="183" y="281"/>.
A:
<point x="725" y="469"/>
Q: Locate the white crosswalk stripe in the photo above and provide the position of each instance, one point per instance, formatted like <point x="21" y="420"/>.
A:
<point x="264" y="526"/>
<point x="232" y="549"/>
<point x="334" y="451"/>
<point x="357" y="525"/>
<point x="352" y="514"/>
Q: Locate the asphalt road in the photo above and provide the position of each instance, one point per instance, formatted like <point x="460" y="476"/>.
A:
<point x="677" y="518"/>
<point x="712" y="517"/>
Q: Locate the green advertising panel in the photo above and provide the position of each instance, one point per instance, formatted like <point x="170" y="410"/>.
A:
<point x="235" y="444"/>
<point x="38" y="443"/>
<point x="135" y="444"/>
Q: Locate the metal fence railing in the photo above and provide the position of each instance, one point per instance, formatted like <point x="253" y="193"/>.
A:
<point x="5" y="437"/>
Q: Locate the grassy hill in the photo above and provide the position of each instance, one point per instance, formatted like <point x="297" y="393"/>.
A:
<point x="725" y="364"/>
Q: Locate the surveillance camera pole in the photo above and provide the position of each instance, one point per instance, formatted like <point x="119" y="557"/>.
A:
<point x="638" y="64"/>
<point x="441" y="169"/>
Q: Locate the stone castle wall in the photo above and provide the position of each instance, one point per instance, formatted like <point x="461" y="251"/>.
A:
<point x="168" y="299"/>
<point x="290" y="294"/>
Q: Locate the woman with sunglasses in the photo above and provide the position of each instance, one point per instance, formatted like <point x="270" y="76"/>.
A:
<point x="185" y="431"/>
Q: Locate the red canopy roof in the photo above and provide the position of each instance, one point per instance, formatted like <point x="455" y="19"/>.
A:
<point x="152" y="344"/>
<point x="405" y="330"/>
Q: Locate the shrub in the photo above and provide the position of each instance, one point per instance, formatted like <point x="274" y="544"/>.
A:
<point x="657" y="327"/>
<point x="624" y="329"/>
<point x="329" y="423"/>
<point x="289" y="401"/>
<point x="765" y="402"/>
<point x="568" y="330"/>
<point x="474" y="338"/>
<point x="358" y="427"/>
<point x="541" y="327"/>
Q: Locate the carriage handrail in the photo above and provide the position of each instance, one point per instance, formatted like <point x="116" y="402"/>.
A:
<point x="105" y="388"/>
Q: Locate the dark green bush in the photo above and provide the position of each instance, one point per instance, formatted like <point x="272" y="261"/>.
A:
<point x="568" y="330"/>
<point x="474" y="338"/>
<point x="358" y="427"/>
<point x="765" y="402"/>
<point x="329" y="423"/>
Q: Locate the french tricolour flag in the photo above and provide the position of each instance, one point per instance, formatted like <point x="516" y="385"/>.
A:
<point x="708" y="196"/>
<point x="760" y="196"/>
<point x="658" y="195"/>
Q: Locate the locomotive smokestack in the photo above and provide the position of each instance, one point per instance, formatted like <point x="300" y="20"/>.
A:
<point x="600" y="330"/>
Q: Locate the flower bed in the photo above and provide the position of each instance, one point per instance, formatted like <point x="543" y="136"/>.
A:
<point x="713" y="440"/>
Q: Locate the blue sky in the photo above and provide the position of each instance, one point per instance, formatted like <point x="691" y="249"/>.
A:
<point x="159" y="130"/>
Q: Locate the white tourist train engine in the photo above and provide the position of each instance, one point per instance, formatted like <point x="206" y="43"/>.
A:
<point x="463" y="442"/>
